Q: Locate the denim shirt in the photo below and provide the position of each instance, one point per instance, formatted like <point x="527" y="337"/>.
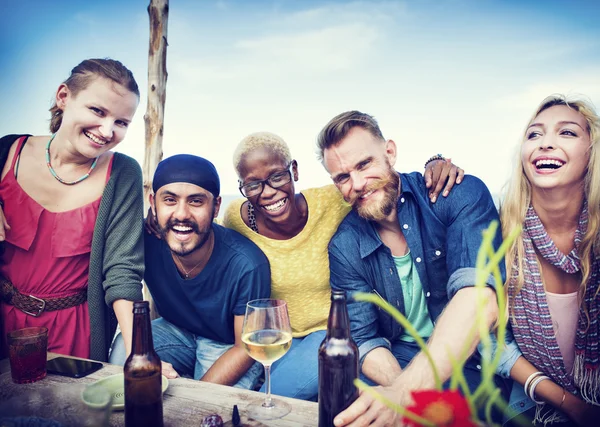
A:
<point x="443" y="239"/>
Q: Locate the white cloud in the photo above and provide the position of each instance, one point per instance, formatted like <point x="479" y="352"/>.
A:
<point x="379" y="13"/>
<point x="194" y="72"/>
<point x="272" y="44"/>
<point x="324" y="50"/>
<point x="582" y="82"/>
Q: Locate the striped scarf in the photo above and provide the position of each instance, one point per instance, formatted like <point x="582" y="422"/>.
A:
<point x="532" y="323"/>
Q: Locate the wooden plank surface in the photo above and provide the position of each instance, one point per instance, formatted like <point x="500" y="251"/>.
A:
<point x="185" y="403"/>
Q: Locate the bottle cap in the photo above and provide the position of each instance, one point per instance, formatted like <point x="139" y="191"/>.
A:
<point x="338" y="294"/>
<point x="141" y="306"/>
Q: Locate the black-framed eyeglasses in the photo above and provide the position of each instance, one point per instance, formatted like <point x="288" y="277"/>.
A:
<point x="275" y="180"/>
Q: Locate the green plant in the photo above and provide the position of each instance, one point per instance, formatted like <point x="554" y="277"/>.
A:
<point x="487" y="395"/>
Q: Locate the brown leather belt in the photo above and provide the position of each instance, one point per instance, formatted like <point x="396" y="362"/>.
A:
<point x="35" y="306"/>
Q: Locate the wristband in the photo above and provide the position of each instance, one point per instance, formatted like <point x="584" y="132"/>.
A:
<point x="433" y="158"/>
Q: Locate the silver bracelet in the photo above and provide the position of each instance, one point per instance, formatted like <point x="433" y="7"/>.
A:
<point x="534" y="384"/>
<point x="529" y="379"/>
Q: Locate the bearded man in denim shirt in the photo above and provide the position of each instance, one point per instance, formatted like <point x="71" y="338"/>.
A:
<point x="418" y="256"/>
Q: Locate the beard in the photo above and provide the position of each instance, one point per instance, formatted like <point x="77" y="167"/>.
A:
<point x="378" y="210"/>
<point x="180" y="248"/>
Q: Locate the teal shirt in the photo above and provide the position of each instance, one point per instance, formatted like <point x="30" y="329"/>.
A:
<point x="414" y="299"/>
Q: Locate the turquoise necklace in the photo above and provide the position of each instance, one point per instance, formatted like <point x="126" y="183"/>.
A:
<point x="55" y="175"/>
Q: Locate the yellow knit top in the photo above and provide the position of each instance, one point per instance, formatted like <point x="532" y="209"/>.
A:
<point x="300" y="265"/>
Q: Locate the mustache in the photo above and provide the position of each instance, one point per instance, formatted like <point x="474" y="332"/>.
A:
<point x="377" y="185"/>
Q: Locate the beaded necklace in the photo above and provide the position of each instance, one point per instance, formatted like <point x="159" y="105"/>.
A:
<point x="55" y="175"/>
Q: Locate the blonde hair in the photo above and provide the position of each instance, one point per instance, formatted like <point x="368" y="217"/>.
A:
<point x="518" y="196"/>
<point x="338" y="127"/>
<point x="254" y="141"/>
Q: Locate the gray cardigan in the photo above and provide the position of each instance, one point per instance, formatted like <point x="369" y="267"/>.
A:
<point x="117" y="257"/>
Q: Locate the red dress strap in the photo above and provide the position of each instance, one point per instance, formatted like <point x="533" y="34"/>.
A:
<point x="20" y="144"/>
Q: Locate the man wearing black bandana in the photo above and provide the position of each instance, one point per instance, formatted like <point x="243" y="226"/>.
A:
<point x="201" y="276"/>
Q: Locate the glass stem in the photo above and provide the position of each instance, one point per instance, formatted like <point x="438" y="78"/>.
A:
<point x="268" y="403"/>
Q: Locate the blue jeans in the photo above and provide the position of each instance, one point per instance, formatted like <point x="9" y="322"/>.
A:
<point x="191" y="355"/>
<point x="519" y="402"/>
<point x="297" y="373"/>
<point x="404" y="352"/>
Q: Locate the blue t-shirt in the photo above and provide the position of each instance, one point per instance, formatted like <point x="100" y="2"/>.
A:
<point x="236" y="273"/>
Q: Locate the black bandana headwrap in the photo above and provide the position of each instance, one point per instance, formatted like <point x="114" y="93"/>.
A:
<point x="187" y="168"/>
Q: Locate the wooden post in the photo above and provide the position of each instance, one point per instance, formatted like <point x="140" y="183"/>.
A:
<point x="158" y="12"/>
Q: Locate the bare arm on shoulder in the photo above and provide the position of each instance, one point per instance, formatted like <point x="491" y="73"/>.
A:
<point x="439" y="172"/>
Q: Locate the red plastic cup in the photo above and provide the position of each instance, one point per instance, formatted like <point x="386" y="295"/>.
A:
<point x="27" y="351"/>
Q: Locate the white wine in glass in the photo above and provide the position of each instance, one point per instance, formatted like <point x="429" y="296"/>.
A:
<point x="267" y="336"/>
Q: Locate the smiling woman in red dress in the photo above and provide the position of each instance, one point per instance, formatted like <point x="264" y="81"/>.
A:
<point x="71" y="217"/>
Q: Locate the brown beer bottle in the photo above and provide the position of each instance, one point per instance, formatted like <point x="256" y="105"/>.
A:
<point x="142" y="371"/>
<point x="338" y="363"/>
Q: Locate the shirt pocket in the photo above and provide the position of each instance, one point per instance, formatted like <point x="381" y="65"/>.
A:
<point x="437" y="271"/>
<point x="73" y="232"/>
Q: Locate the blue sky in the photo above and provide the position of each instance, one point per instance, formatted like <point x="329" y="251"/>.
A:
<point x="451" y="76"/>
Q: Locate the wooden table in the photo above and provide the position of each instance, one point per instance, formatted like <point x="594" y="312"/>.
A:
<point x="185" y="403"/>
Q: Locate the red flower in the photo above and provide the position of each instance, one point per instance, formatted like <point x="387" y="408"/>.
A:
<point x="443" y="408"/>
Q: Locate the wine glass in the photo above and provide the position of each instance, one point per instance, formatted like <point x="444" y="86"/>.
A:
<point x="267" y="336"/>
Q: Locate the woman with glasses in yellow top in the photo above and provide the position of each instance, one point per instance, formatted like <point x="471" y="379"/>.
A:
<point x="293" y="230"/>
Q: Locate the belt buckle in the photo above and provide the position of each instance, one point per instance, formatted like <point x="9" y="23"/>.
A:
<point x="40" y="310"/>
